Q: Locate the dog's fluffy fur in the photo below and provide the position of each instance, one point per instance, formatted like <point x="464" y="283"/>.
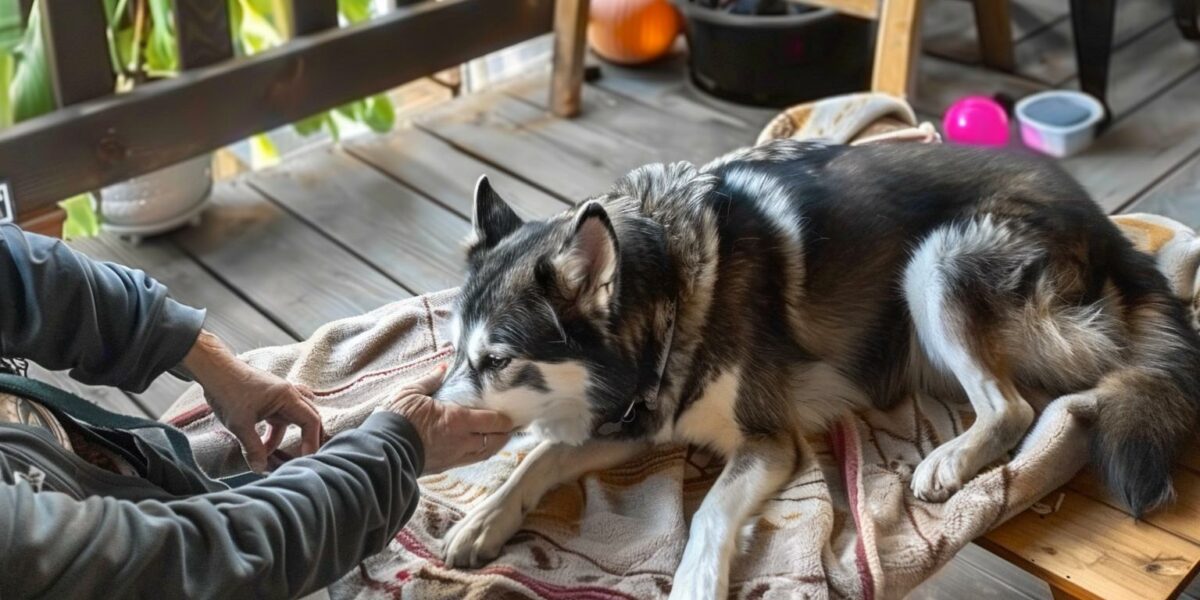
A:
<point x="806" y="280"/>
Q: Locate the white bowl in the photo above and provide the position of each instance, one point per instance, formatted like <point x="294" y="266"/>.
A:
<point x="1063" y="136"/>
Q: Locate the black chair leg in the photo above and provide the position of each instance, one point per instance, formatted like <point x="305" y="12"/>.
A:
<point x="1092" y="25"/>
<point x="1187" y="16"/>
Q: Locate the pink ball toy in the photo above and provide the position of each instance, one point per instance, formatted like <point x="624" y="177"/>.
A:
<point x="976" y="121"/>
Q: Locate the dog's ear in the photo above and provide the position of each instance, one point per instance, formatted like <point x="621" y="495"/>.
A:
<point x="492" y="220"/>
<point x="587" y="266"/>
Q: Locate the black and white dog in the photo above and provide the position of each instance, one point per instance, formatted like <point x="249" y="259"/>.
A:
<point x="749" y="302"/>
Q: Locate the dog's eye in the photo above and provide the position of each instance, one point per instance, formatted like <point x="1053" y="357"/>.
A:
<point x="492" y="362"/>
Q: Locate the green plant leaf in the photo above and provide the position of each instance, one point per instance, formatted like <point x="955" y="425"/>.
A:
<point x="263" y="152"/>
<point x="355" y="11"/>
<point x="123" y="40"/>
<point x="353" y="110"/>
<point x="82" y="219"/>
<point x="380" y="114"/>
<point x="6" y="75"/>
<point x="10" y="25"/>
<point x="255" y="31"/>
<point x="162" y="52"/>
<point x="334" y="130"/>
<point x="310" y="125"/>
<point x="30" y="89"/>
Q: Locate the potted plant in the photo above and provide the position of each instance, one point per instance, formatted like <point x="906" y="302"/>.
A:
<point x="142" y="48"/>
<point x="774" y="52"/>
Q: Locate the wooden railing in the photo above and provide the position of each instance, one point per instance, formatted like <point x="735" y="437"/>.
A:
<point x="97" y="138"/>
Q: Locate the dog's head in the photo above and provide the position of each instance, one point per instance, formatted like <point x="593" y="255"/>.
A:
<point x="532" y="327"/>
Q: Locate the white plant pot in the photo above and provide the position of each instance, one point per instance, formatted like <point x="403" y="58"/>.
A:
<point x="157" y="202"/>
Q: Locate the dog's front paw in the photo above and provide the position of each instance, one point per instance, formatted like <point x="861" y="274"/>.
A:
<point x="945" y="470"/>
<point x="479" y="536"/>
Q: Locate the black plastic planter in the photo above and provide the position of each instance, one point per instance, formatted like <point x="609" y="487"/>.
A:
<point x="777" y="60"/>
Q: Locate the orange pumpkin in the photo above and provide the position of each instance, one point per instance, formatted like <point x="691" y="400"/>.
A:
<point x="632" y="31"/>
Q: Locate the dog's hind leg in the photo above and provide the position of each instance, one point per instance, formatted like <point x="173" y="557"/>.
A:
<point x="959" y="284"/>
<point x="757" y="469"/>
<point x="482" y="532"/>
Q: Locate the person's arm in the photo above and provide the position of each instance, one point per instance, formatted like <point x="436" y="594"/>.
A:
<point x="295" y="531"/>
<point x="108" y="324"/>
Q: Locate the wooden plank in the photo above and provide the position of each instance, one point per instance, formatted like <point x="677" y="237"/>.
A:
<point x="1175" y="197"/>
<point x="1181" y="518"/>
<point x="962" y="578"/>
<point x="108" y="397"/>
<point x="1094" y="551"/>
<point x="401" y="232"/>
<point x="679" y="138"/>
<point x="416" y="97"/>
<point x="1049" y="56"/>
<point x="116" y="138"/>
<point x="897" y="48"/>
<point x="234" y="320"/>
<point x="665" y="84"/>
<point x="1021" y="582"/>
<point x="570" y="38"/>
<point x="942" y="82"/>
<point x="949" y="30"/>
<point x="47" y="222"/>
<point x="1146" y="66"/>
<point x="238" y="323"/>
<point x="204" y="37"/>
<point x="573" y="161"/>
<point x="76" y="51"/>
<point x="1141" y="148"/>
<point x="312" y="16"/>
<point x="438" y="170"/>
<point x="287" y="270"/>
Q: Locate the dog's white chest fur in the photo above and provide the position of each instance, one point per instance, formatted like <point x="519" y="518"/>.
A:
<point x="711" y="420"/>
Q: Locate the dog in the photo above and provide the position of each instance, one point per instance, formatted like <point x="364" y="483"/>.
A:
<point x="751" y="301"/>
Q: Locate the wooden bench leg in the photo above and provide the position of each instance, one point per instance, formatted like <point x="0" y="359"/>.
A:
<point x="897" y="48"/>
<point x="570" y="35"/>
<point x="993" y="21"/>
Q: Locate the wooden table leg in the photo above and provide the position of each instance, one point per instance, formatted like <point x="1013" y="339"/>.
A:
<point x="994" y="23"/>
<point x="897" y="48"/>
<point x="570" y="37"/>
<point x="1092" y="25"/>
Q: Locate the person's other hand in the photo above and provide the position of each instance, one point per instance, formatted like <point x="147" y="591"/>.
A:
<point x="242" y="396"/>
<point x="453" y="435"/>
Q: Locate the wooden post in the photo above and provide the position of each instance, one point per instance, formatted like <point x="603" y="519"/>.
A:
<point x="994" y="23"/>
<point x="570" y="37"/>
<point x="204" y="36"/>
<point x="311" y="16"/>
<point x="897" y="48"/>
<point x="77" y="50"/>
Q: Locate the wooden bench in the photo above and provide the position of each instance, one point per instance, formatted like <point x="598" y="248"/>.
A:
<point x="1091" y="548"/>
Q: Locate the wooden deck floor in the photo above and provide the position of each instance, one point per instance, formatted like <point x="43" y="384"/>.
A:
<point x="338" y="230"/>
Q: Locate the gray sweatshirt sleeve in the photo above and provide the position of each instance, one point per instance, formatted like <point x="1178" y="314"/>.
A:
<point x="109" y="324"/>
<point x="289" y="534"/>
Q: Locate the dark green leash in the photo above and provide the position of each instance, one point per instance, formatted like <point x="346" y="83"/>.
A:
<point x="67" y="405"/>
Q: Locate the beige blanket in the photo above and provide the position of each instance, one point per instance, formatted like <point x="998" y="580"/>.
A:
<point x="845" y="526"/>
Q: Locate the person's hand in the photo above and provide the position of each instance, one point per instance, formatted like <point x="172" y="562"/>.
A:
<point x="453" y="435"/>
<point x="241" y="396"/>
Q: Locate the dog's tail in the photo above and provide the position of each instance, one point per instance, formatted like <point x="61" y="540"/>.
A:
<point x="1148" y="408"/>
